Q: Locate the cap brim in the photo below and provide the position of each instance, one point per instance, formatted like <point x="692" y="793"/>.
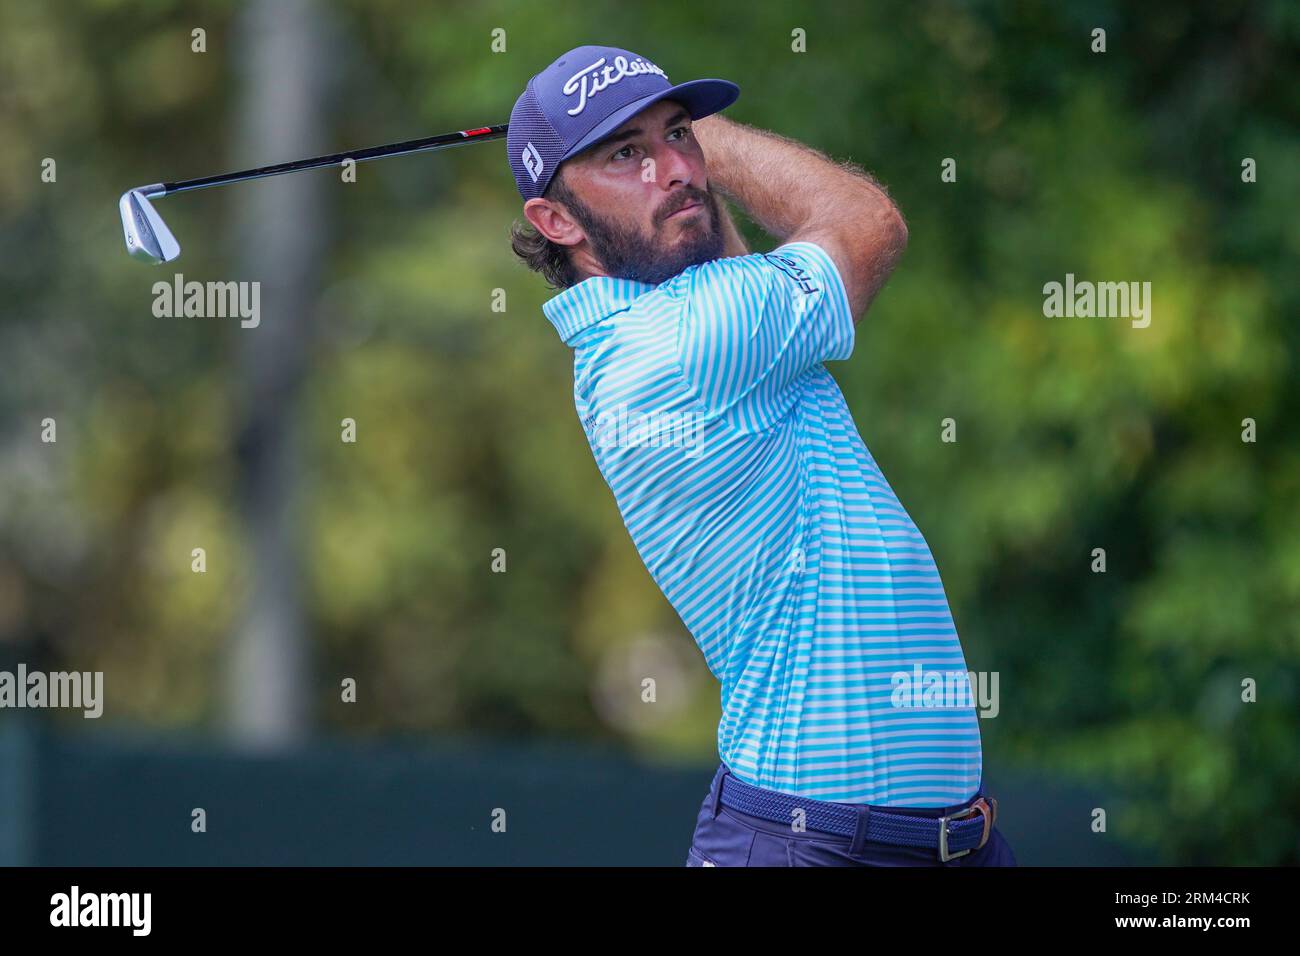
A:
<point x="700" y="97"/>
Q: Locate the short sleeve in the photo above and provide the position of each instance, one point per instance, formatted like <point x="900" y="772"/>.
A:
<point x="752" y="326"/>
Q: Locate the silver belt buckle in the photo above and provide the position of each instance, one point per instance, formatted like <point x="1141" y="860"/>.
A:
<point x="980" y="806"/>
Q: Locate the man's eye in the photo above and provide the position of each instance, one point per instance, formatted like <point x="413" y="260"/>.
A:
<point x="683" y="130"/>
<point x="625" y="149"/>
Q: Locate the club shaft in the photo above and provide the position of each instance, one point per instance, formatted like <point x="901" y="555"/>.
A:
<point x="443" y="141"/>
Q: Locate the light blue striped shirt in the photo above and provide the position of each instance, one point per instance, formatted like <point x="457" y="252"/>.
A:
<point x="759" y="512"/>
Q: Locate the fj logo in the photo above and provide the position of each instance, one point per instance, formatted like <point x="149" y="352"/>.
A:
<point x="532" y="161"/>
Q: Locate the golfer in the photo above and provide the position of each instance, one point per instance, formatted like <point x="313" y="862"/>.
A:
<point x="700" y="381"/>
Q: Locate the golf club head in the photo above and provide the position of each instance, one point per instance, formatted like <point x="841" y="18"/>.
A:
<point x="147" y="236"/>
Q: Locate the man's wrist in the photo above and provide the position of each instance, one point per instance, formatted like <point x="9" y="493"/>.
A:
<point x="710" y="133"/>
<point x="734" y="241"/>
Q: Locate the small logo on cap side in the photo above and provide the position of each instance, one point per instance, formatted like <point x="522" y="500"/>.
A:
<point x="532" y="161"/>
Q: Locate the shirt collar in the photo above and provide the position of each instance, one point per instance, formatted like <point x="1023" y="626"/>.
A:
<point x="590" y="301"/>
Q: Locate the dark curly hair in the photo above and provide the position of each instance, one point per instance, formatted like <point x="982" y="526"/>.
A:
<point x="537" y="252"/>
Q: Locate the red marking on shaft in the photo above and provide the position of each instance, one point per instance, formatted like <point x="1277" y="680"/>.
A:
<point x="476" y="132"/>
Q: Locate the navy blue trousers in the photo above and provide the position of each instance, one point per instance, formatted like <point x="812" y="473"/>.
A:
<point x="737" y="839"/>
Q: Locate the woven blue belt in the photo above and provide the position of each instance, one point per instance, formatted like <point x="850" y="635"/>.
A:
<point x="951" y="836"/>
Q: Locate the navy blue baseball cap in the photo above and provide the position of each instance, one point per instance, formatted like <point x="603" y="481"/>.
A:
<point x="584" y="96"/>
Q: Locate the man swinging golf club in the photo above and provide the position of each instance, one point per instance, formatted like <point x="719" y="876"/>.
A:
<point x="740" y="475"/>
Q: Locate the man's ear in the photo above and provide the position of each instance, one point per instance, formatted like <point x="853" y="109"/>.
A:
<point x="553" y="221"/>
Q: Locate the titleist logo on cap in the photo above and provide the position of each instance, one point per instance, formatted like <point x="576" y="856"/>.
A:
<point x="587" y="83"/>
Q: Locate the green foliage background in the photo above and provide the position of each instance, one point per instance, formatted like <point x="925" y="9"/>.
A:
<point x="1073" y="434"/>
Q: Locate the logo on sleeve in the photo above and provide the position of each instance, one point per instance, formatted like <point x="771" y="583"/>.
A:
<point x="791" y="267"/>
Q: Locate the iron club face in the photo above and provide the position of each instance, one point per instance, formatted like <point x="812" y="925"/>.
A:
<point x="147" y="236"/>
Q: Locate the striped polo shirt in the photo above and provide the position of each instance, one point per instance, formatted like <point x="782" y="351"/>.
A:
<point x="767" y="524"/>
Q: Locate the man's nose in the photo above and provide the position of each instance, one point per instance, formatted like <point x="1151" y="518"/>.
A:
<point x="672" y="167"/>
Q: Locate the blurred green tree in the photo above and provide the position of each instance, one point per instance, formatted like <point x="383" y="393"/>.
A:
<point x="1073" y="434"/>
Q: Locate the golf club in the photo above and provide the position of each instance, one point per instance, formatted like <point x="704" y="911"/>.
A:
<point x="149" y="239"/>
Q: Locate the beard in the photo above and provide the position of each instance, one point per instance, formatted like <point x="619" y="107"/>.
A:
<point x="627" y="253"/>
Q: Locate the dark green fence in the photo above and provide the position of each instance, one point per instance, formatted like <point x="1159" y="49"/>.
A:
<point x="110" y="798"/>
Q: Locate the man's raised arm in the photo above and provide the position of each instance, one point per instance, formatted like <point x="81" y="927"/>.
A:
<point x="797" y="194"/>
